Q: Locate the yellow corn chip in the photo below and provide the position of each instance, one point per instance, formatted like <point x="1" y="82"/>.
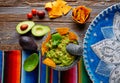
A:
<point x="62" y="30"/>
<point x="61" y="3"/>
<point x="44" y="48"/>
<point x="49" y="62"/>
<point x="66" y="9"/>
<point x="87" y="12"/>
<point x="54" y="3"/>
<point x="57" y="8"/>
<point x="81" y="14"/>
<point x="72" y="36"/>
<point x="55" y="11"/>
<point x="54" y="16"/>
<point x="48" y="6"/>
<point x="48" y="37"/>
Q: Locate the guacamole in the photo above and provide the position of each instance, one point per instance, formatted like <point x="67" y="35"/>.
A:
<point x="57" y="49"/>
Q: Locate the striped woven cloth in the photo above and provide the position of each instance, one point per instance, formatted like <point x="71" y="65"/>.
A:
<point x="11" y="70"/>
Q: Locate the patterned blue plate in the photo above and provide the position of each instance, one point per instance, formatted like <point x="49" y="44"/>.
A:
<point x="99" y="29"/>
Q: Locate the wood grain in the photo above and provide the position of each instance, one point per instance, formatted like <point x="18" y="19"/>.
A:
<point x="14" y="11"/>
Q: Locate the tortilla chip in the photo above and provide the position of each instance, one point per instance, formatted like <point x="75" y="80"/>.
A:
<point x="66" y="9"/>
<point x="87" y="12"/>
<point x="81" y="14"/>
<point x="55" y="11"/>
<point x="59" y="3"/>
<point x="63" y="30"/>
<point x="48" y="37"/>
<point x="44" y="48"/>
<point x="49" y="62"/>
<point x="54" y="3"/>
<point x="62" y="2"/>
<point x="53" y="16"/>
<point x="74" y="14"/>
<point x="48" y="6"/>
<point x="72" y="36"/>
<point x="57" y="8"/>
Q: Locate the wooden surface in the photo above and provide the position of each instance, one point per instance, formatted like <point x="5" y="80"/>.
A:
<point x="14" y="11"/>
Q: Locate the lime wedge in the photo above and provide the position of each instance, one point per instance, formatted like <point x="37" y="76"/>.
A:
<point x="31" y="62"/>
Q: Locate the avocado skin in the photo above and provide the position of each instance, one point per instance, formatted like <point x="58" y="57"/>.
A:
<point x="27" y="43"/>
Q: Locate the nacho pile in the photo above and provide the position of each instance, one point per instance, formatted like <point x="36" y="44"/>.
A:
<point x="57" y="8"/>
<point x="80" y="14"/>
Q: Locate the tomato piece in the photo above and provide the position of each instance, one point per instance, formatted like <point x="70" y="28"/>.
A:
<point x="41" y="14"/>
<point x="29" y="16"/>
<point x="34" y="11"/>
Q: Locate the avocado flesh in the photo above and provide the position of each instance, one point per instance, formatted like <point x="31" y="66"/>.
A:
<point x="31" y="62"/>
<point x="40" y="30"/>
<point x="30" y="25"/>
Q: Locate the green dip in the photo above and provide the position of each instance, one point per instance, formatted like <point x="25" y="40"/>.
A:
<point x="57" y="49"/>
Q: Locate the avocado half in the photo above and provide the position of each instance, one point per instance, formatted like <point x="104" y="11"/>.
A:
<point x="30" y="25"/>
<point x="40" y="30"/>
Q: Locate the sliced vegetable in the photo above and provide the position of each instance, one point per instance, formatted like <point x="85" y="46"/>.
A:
<point x="40" y="30"/>
<point x="31" y="62"/>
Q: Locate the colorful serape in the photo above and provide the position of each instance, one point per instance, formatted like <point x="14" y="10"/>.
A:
<point x="11" y="70"/>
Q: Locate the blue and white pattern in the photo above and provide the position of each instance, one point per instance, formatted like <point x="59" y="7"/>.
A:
<point x="104" y="69"/>
<point x="103" y="29"/>
<point x="115" y="75"/>
<point x="106" y="30"/>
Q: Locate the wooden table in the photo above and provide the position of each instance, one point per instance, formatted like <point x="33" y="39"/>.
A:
<point x="14" y="11"/>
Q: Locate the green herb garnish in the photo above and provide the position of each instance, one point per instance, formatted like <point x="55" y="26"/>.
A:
<point x="56" y="39"/>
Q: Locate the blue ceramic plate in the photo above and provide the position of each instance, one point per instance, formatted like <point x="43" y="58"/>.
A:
<point x="99" y="29"/>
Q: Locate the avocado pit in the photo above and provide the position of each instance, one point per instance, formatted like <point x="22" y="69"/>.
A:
<point x="24" y="27"/>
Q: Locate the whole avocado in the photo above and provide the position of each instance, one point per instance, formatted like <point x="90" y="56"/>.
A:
<point x="27" y="43"/>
